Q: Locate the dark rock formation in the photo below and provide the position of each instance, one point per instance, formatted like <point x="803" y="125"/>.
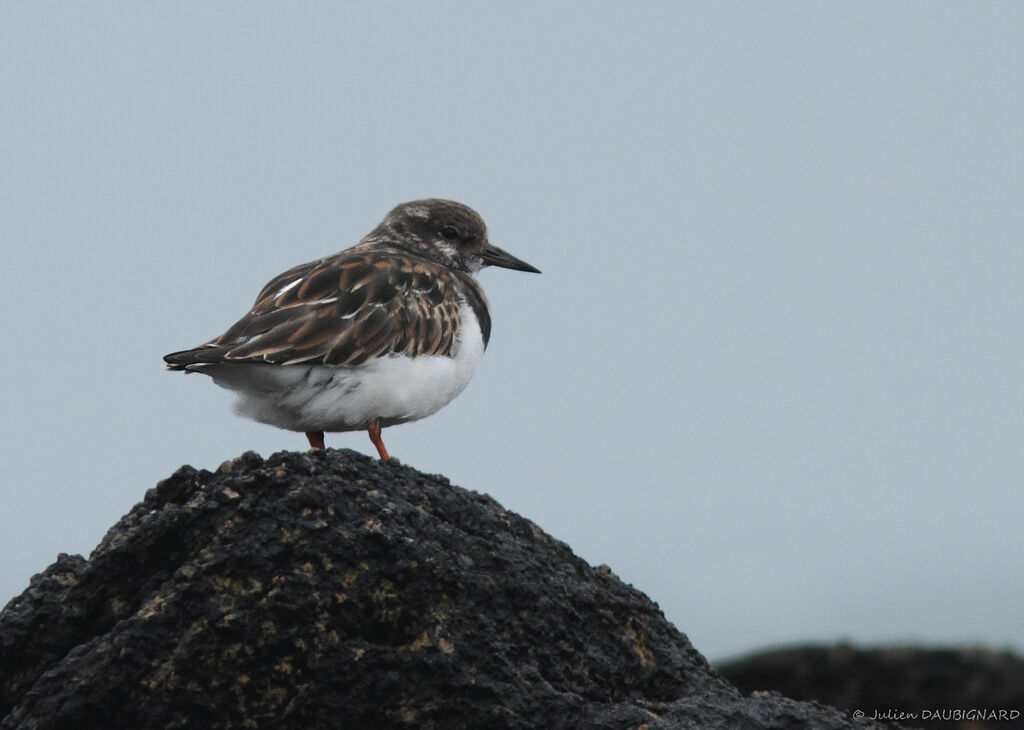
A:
<point x="328" y="590"/>
<point x="962" y="688"/>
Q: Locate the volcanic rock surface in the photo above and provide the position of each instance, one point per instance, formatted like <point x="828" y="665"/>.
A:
<point x="950" y="688"/>
<point x="329" y="590"/>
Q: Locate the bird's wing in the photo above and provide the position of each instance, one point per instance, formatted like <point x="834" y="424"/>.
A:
<point x="342" y="310"/>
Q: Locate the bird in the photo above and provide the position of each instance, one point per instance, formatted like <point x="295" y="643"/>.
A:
<point x="388" y="331"/>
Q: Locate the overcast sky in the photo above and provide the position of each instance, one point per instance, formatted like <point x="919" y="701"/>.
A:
<point x="771" y="375"/>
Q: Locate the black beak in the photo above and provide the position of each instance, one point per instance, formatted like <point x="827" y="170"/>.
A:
<point x="494" y="256"/>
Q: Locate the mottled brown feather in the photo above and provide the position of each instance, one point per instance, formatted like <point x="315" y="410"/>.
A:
<point x="348" y="308"/>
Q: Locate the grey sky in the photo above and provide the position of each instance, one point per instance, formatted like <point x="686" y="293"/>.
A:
<point x="771" y="374"/>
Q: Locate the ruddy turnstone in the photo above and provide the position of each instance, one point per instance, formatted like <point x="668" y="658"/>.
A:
<point x="385" y="332"/>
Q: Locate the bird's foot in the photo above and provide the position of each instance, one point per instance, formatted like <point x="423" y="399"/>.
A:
<point x="373" y="428"/>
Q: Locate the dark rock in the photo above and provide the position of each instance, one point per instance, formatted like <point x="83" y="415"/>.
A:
<point x="328" y="590"/>
<point x="963" y="688"/>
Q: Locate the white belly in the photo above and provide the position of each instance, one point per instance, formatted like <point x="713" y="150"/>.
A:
<point x="392" y="389"/>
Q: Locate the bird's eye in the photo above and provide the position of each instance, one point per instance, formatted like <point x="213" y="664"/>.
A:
<point x="450" y="232"/>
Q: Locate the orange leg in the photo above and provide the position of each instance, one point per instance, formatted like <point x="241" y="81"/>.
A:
<point x="316" y="439"/>
<point x="373" y="427"/>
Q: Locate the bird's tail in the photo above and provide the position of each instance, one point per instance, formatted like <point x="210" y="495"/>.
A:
<point x="195" y="358"/>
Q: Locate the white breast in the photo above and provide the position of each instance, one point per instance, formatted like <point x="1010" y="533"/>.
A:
<point x="392" y="389"/>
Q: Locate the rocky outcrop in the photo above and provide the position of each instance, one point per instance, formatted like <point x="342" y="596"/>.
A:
<point x="329" y="590"/>
<point x="951" y="688"/>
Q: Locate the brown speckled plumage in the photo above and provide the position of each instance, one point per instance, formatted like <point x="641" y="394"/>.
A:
<point x="347" y="308"/>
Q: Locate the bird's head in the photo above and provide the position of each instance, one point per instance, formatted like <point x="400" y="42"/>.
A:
<point x="447" y="232"/>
